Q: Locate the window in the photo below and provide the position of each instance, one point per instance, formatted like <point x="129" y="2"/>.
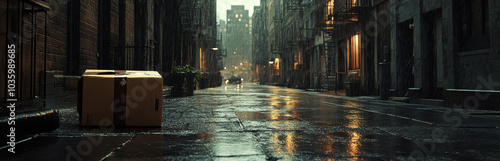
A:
<point x="473" y="25"/>
<point x="354" y="3"/>
<point x="328" y="16"/>
<point x="228" y="19"/>
<point x="298" y="60"/>
<point x="236" y="16"/>
<point x="202" y="61"/>
<point x="276" y="70"/>
<point x="353" y="51"/>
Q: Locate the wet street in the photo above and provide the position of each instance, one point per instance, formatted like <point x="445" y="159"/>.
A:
<point x="257" y="122"/>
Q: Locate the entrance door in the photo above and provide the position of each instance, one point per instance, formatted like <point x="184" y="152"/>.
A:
<point x="405" y="57"/>
<point x="432" y="56"/>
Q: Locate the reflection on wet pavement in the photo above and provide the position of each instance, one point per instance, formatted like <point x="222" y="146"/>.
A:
<point x="254" y="122"/>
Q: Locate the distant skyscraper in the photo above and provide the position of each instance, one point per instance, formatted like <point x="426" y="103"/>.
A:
<point x="238" y="36"/>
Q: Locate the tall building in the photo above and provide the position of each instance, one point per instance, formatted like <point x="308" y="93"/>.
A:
<point x="221" y="42"/>
<point x="238" y="41"/>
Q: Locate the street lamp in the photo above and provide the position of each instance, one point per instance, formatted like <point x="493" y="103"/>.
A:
<point x="271" y="62"/>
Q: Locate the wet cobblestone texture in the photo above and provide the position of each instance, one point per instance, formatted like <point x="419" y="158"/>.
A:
<point x="255" y="122"/>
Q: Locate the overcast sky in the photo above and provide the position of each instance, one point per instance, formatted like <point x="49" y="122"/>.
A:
<point x="224" y="5"/>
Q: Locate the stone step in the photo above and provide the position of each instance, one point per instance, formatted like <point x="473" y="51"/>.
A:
<point x="29" y="123"/>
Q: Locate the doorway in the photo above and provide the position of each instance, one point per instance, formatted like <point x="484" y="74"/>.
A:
<point x="432" y="56"/>
<point x="405" y="57"/>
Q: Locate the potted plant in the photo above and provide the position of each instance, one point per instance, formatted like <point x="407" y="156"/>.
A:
<point x="185" y="78"/>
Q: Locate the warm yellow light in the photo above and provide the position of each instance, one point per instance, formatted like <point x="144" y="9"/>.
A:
<point x="236" y="16"/>
<point x="202" y="63"/>
<point x="329" y="14"/>
<point x="354" y="48"/>
<point x="246" y="25"/>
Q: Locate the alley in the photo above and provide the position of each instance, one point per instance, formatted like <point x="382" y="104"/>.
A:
<point x="258" y="122"/>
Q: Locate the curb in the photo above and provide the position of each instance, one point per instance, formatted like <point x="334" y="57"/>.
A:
<point x="29" y="124"/>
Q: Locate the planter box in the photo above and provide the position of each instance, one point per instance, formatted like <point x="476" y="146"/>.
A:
<point x="180" y="80"/>
<point x="352" y="89"/>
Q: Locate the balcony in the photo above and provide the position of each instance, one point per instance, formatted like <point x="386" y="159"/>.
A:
<point x="343" y="12"/>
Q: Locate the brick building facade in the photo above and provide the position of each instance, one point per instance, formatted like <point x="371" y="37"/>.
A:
<point x="93" y="34"/>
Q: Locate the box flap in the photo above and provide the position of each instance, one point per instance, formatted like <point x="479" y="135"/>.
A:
<point x="120" y="73"/>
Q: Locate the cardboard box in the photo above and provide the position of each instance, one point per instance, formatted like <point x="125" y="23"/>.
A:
<point x="123" y="97"/>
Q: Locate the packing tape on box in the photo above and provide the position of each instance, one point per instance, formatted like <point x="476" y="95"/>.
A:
<point x="120" y="101"/>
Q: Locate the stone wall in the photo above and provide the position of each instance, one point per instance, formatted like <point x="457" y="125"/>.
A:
<point x="459" y="68"/>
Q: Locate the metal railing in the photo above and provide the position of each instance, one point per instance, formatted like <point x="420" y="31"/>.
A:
<point x="21" y="29"/>
<point x="130" y="58"/>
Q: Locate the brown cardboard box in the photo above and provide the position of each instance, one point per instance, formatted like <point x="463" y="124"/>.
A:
<point x="123" y="97"/>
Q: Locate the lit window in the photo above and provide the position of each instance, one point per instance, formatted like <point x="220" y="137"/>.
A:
<point x="240" y="19"/>
<point x="228" y="19"/>
<point x="276" y="64"/>
<point x="241" y="15"/>
<point x="328" y="18"/>
<point x="236" y="16"/>
<point x="354" y="3"/>
<point x="297" y="60"/>
<point x="225" y="29"/>
<point x="353" y="50"/>
<point x="246" y="25"/>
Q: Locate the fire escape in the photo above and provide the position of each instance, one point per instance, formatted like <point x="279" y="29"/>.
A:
<point x="338" y="17"/>
<point x="190" y="16"/>
<point x="292" y="38"/>
<point x="190" y="21"/>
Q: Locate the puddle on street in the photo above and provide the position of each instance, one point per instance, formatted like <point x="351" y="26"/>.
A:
<point x="270" y="115"/>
